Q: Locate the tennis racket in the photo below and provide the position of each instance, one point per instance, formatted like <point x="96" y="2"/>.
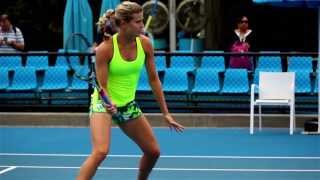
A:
<point x="77" y="43"/>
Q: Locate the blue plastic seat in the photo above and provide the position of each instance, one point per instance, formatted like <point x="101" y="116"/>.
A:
<point x="206" y="81"/>
<point x="215" y="63"/>
<point x="175" y="81"/>
<point x="10" y="62"/>
<point x="185" y="63"/>
<point x="300" y="63"/>
<point x="4" y="78"/>
<point x="61" y="60"/>
<point x="78" y="84"/>
<point x="143" y="84"/>
<point x="302" y="82"/>
<point x="160" y="62"/>
<point x="24" y="79"/>
<point x="269" y="64"/>
<point x="38" y="62"/>
<point x="55" y="78"/>
<point x="235" y="81"/>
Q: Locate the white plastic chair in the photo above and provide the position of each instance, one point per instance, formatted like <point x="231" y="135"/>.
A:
<point x="275" y="88"/>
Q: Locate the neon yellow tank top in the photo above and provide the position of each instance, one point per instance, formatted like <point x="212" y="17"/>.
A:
<point x="123" y="75"/>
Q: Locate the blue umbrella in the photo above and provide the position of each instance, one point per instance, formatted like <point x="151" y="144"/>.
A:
<point x="307" y="4"/>
<point x="77" y="19"/>
<point x="108" y="4"/>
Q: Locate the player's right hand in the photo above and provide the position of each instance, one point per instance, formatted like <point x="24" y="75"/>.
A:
<point x="112" y="109"/>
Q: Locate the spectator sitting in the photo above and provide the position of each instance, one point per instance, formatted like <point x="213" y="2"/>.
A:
<point x="11" y="38"/>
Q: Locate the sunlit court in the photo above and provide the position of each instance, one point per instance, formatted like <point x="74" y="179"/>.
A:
<point x="160" y="90"/>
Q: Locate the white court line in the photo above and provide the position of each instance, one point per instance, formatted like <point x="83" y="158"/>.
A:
<point x="10" y="168"/>
<point x="167" y="156"/>
<point x="172" y="169"/>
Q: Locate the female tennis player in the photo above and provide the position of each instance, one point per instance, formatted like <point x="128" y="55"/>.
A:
<point x="119" y="61"/>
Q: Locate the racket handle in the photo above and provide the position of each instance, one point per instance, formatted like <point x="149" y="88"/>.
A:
<point x="106" y="100"/>
<point x="104" y="97"/>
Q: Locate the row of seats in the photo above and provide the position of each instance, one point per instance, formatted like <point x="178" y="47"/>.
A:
<point x="302" y="65"/>
<point x="175" y="79"/>
<point x="178" y="65"/>
<point x="204" y="80"/>
<point x="41" y="62"/>
<point x="216" y="63"/>
<point x="50" y="79"/>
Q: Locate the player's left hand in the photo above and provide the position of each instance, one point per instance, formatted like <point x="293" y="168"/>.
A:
<point x="172" y="123"/>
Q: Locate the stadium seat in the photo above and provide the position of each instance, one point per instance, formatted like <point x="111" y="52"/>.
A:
<point x="185" y="63"/>
<point x="55" y="91"/>
<point x="143" y="84"/>
<point x="269" y="64"/>
<point x="10" y="62"/>
<point x="275" y="89"/>
<point x="214" y="63"/>
<point x="300" y="63"/>
<point x="55" y="78"/>
<point x="4" y="80"/>
<point x="175" y="81"/>
<point x="235" y="81"/>
<point x="302" y="82"/>
<point x="24" y="79"/>
<point x="78" y="84"/>
<point x="38" y="62"/>
<point x="206" y="81"/>
<point x="160" y="62"/>
<point x="61" y="60"/>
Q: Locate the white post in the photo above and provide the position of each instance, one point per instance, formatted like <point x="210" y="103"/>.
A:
<point x="172" y="25"/>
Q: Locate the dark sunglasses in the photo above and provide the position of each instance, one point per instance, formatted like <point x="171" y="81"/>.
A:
<point x="244" y="22"/>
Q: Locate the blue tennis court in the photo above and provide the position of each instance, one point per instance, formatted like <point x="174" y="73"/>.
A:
<point x="198" y="153"/>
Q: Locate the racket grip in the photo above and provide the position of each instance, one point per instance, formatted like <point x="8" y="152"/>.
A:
<point x="106" y="100"/>
<point x="104" y="97"/>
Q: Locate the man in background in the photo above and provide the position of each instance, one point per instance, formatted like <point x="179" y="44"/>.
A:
<point x="11" y="38"/>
